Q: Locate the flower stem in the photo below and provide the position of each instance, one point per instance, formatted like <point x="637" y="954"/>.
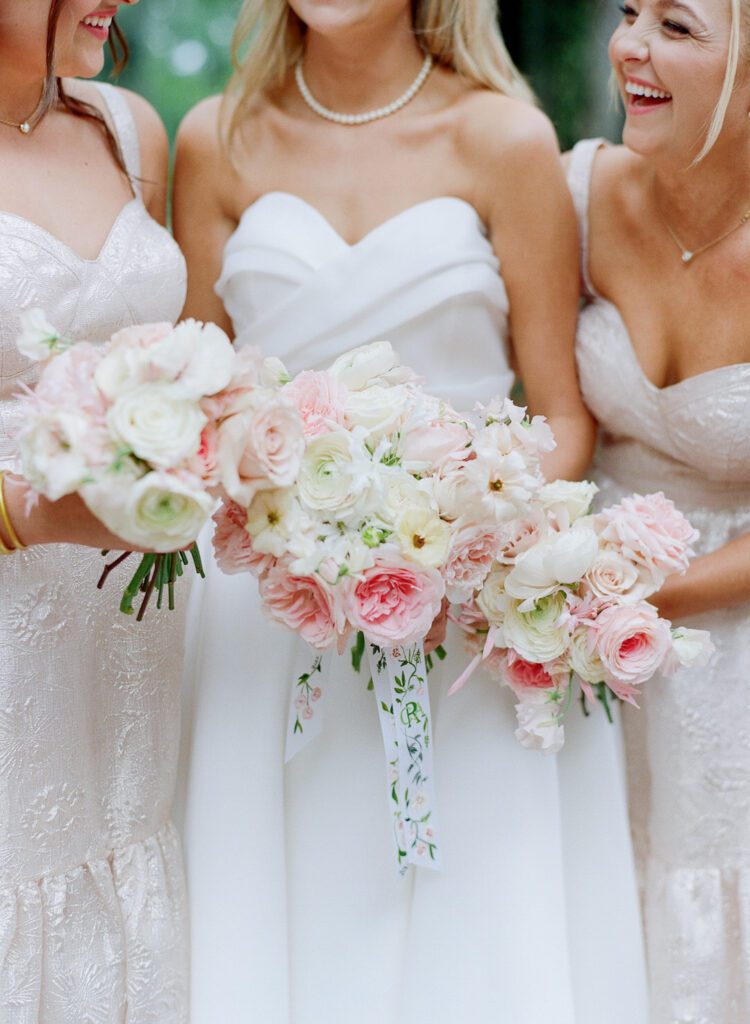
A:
<point x="147" y="563"/>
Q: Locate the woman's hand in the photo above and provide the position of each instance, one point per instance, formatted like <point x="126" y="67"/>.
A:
<point x="66" y="521"/>
<point x="718" y="580"/>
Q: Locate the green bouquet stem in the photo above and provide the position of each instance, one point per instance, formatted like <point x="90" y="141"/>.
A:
<point x="155" y="573"/>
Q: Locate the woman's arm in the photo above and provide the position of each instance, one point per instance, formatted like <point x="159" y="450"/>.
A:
<point x="718" y="580"/>
<point x="202" y="222"/>
<point x="154" y="145"/>
<point x="533" y="230"/>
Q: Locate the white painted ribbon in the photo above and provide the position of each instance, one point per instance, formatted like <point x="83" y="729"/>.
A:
<point x="400" y="679"/>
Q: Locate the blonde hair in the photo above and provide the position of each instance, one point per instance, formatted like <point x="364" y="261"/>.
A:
<point x="730" y="78"/>
<point x="460" y="34"/>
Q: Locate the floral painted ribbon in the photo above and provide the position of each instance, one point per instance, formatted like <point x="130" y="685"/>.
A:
<point x="306" y="708"/>
<point x="400" y="679"/>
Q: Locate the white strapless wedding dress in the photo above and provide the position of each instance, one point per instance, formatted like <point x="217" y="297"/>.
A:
<point x="299" y="915"/>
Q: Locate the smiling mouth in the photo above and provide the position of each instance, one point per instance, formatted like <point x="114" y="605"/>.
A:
<point x="98" y="25"/>
<point x="644" y="97"/>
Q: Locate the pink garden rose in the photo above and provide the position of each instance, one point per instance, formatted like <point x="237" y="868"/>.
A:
<point x="473" y="550"/>
<point x="523" y="675"/>
<point x="233" y="545"/>
<point x="260" y="447"/>
<point x="651" y="531"/>
<point x="632" y="643"/>
<point x="319" y="400"/>
<point x="303" y="603"/>
<point x="394" y="603"/>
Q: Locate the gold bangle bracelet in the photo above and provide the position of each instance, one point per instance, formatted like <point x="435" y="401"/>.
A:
<point x="5" y="521"/>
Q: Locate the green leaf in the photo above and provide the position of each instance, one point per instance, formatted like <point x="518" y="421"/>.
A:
<point x="358" y="651"/>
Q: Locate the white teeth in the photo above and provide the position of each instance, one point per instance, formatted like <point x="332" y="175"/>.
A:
<point x="643" y="90"/>
<point x="97" y="22"/>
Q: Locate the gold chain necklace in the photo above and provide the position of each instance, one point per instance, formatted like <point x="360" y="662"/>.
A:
<point x="26" y="127"/>
<point x="688" y="255"/>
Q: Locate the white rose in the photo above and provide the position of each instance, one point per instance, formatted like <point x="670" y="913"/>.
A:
<point x="38" y="339"/>
<point x="691" y="648"/>
<point x="157" y="424"/>
<point x="336" y="474"/>
<point x="379" y="410"/>
<point x="539" y="724"/>
<point x="53" y="453"/>
<point x="367" y="364"/>
<point x="614" y="575"/>
<point x="559" y="559"/>
<point x="584" y="659"/>
<point x="159" y="512"/>
<point x="568" y="500"/>
<point x="492" y="598"/>
<point x="424" y="537"/>
<point x="538" y="635"/>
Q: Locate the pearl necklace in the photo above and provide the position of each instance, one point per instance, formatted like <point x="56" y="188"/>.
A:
<point x="371" y="115"/>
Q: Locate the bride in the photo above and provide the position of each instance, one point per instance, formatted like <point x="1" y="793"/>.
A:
<point x="440" y="220"/>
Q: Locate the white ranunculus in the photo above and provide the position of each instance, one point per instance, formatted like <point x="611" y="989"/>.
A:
<point x="53" y="453"/>
<point x="584" y="659"/>
<point x="159" y="512"/>
<point x="539" y="724"/>
<point x="424" y="537"/>
<point x="492" y="599"/>
<point x="538" y="635"/>
<point x="559" y="559"/>
<point x="157" y="424"/>
<point x="38" y="339"/>
<point x="336" y="474"/>
<point x="378" y="410"/>
<point x="691" y="648"/>
<point x="614" y="575"/>
<point x="365" y="365"/>
<point x="568" y="500"/>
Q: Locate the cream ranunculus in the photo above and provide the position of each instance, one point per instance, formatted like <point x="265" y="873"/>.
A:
<point x="157" y="424"/>
<point x="159" y="512"/>
<point x="538" y="635"/>
<point x="423" y="537"/>
<point x="560" y="559"/>
<point x="336" y="474"/>
<point x="584" y="658"/>
<point x="492" y="599"/>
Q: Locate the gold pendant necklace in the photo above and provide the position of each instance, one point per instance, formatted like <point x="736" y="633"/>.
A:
<point x="688" y="255"/>
<point x="26" y="127"/>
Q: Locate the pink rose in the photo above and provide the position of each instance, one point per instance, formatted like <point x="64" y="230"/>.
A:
<point x="303" y="603"/>
<point x="521" y="674"/>
<point x="632" y="643"/>
<point x="260" y="447"/>
<point x="319" y="399"/>
<point x="473" y="550"/>
<point x="650" y="531"/>
<point x="394" y="603"/>
<point x="232" y="545"/>
<point x="205" y="462"/>
<point x="517" y="536"/>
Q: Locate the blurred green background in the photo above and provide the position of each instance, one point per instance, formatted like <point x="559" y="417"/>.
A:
<point x="180" y="53"/>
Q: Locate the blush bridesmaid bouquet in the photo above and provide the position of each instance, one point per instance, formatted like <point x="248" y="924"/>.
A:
<point x="565" y="606"/>
<point x="150" y="428"/>
<point x="400" y="502"/>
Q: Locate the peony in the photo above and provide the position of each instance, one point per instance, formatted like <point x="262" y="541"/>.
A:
<point x="472" y="551"/>
<point x="394" y="603"/>
<point x="260" y="446"/>
<point x="157" y="424"/>
<point x="424" y="538"/>
<point x="539" y="722"/>
<point x="614" y="576"/>
<point x="632" y="642"/>
<point x="232" y="544"/>
<point x="38" y="339"/>
<point x="538" y="635"/>
<point x="558" y="560"/>
<point x="650" y="531"/>
<point x="159" y="512"/>
<point x="303" y="603"/>
<point x="319" y="399"/>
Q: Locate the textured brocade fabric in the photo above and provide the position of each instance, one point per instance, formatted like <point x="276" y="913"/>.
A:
<point x="689" y="748"/>
<point x="93" y="923"/>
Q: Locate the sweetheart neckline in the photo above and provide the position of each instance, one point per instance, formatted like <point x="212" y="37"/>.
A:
<point x="373" y="231"/>
<point x="69" y="249"/>
<point x="633" y="355"/>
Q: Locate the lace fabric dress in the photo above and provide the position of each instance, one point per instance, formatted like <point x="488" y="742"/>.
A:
<point x="92" y="904"/>
<point x="298" y="912"/>
<point x="689" y="748"/>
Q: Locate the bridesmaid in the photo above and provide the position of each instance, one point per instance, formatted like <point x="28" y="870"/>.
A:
<point x="441" y="222"/>
<point x="664" y="361"/>
<point x="92" y="903"/>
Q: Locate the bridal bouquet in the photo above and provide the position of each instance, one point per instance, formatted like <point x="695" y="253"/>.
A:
<point x="149" y="429"/>
<point x="566" y="601"/>
<point x="399" y="502"/>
